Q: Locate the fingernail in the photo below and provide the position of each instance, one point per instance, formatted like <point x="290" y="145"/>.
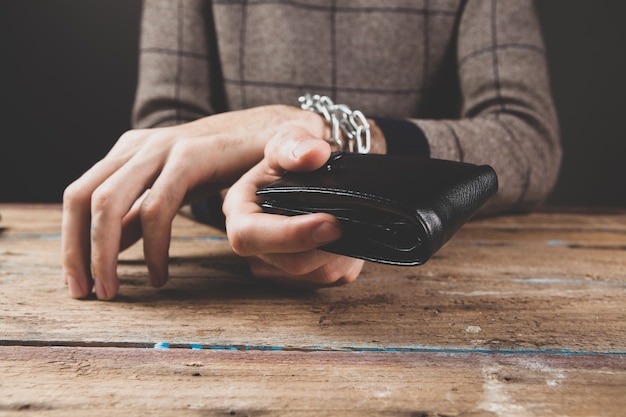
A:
<point x="304" y="147"/>
<point x="157" y="280"/>
<point x="101" y="292"/>
<point x="325" y="232"/>
<point x="76" y="290"/>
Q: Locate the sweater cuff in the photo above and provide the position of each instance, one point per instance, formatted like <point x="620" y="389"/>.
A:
<point x="403" y="137"/>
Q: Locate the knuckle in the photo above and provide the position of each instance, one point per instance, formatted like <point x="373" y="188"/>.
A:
<point x="135" y="140"/>
<point x="327" y="275"/>
<point x="101" y="200"/>
<point x="236" y="237"/>
<point x="151" y="210"/>
<point x="132" y="135"/>
<point x="75" y="193"/>
<point x="181" y="152"/>
<point x="292" y="266"/>
<point x="337" y="272"/>
<point x="290" y="130"/>
<point x="283" y="135"/>
<point x="348" y="278"/>
<point x="353" y="271"/>
<point x="226" y="205"/>
<point x="183" y="149"/>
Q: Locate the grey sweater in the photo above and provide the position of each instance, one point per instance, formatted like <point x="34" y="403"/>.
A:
<point x="470" y="76"/>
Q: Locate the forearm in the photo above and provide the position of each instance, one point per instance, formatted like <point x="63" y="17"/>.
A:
<point x="177" y="64"/>
<point x="507" y="116"/>
<point x="526" y="155"/>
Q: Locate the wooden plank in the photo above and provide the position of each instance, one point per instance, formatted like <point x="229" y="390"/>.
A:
<point x="539" y="282"/>
<point x="516" y="316"/>
<point x="44" y="220"/>
<point x="113" y="381"/>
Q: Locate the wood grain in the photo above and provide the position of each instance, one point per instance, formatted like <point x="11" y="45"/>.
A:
<point x="536" y="282"/>
<point x="521" y="315"/>
<point x="75" y="381"/>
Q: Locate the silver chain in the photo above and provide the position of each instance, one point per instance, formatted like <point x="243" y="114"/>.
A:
<point x="352" y="123"/>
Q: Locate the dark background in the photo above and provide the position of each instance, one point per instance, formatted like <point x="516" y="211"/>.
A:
<point x="68" y="72"/>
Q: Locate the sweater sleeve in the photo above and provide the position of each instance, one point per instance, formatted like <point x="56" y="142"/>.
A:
<point x="179" y="75"/>
<point x="508" y="119"/>
<point x="175" y="65"/>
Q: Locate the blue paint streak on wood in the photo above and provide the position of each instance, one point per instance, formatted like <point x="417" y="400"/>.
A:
<point x="221" y="347"/>
<point x="45" y="236"/>
<point x="211" y="238"/>
<point x="57" y="236"/>
<point x="392" y="349"/>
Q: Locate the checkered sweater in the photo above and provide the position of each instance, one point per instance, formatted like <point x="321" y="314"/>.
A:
<point x="470" y="75"/>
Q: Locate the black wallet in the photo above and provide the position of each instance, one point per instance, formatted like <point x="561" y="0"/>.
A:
<point x="393" y="209"/>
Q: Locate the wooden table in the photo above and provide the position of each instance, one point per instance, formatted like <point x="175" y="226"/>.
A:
<point x="516" y="316"/>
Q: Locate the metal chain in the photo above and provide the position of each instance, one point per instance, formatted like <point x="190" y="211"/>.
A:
<point x="352" y="123"/>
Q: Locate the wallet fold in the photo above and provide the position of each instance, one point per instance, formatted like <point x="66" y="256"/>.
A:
<point x="395" y="210"/>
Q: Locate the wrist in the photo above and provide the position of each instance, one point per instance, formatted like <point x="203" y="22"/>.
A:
<point x="379" y="143"/>
<point x="284" y="115"/>
<point x="350" y="130"/>
<point x="402" y="137"/>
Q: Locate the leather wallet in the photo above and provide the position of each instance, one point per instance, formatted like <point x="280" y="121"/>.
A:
<point x="393" y="209"/>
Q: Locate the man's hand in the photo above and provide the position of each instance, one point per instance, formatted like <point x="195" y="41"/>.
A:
<point x="281" y="248"/>
<point x="137" y="189"/>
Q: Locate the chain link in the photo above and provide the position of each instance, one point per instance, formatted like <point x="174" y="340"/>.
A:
<point x="352" y="123"/>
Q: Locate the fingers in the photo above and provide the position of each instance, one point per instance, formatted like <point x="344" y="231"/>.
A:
<point x="131" y="224"/>
<point x="186" y="164"/>
<point x="75" y="243"/>
<point x="95" y="207"/>
<point x="110" y="203"/>
<point x="139" y="186"/>
<point x="292" y="149"/>
<point x="137" y="196"/>
<point x="312" y="269"/>
<point x="282" y="247"/>
<point x="260" y="233"/>
<point x="76" y="219"/>
<point x="295" y="149"/>
<point x="252" y="232"/>
<point x="162" y="203"/>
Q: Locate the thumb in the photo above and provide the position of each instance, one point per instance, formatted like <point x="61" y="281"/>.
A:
<point x="296" y="149"/>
